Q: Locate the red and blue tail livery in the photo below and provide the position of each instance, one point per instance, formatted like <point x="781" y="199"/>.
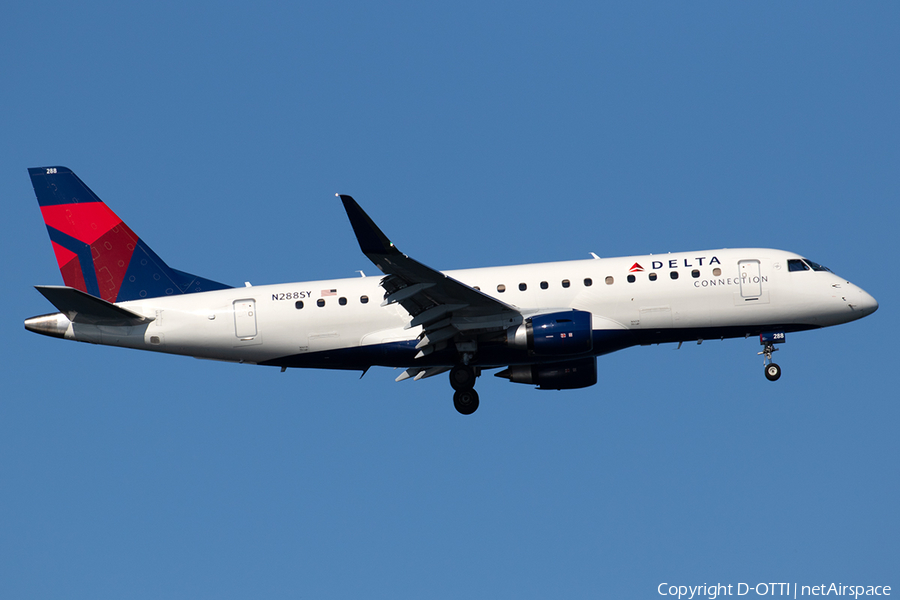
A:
<point x="99" y="254"/>
<point x="541" y="324"/>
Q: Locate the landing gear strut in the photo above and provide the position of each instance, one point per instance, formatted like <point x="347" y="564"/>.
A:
<point x="768" y="341"/>
<point x="462" y="380"/>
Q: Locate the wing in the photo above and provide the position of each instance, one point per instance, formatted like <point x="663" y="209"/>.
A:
<point x="448" y="310"/>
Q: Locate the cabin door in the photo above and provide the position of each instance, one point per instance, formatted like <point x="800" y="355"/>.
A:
<point x="751" y="282"/>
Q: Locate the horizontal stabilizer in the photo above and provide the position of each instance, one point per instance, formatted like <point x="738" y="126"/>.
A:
<point x="81" y="307"/>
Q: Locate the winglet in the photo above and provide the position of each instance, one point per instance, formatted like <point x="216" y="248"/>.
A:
<point x="371" y="239"/>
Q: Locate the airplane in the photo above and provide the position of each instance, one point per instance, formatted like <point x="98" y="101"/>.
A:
<point x="542" y="324"/>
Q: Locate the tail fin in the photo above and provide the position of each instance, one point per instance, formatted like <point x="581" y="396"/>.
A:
<point x="98" y="253"/>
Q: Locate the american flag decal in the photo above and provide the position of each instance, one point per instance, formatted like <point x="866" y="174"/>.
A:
<point x="329" y="292"/>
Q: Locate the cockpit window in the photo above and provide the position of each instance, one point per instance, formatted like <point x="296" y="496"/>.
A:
<point x="795" y="264"/>
<point x="817" y="266"/>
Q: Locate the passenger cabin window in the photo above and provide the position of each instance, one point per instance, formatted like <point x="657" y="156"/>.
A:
<point x="695" y="273"/>
<point x="522" y="287"/>
<point x="717" y="272"/>
<point x="673" y="274"/>
<point x="320" y="302"/>
<point x="298" y="304"/>
<point x="544" y="285"/>
<point x="566" y="283"/>
<point x="631" y="279"/>
<point x="795" y="264"/>
<point x="588" y="282"/>
<point x="501" y="288"/>
<point x="342" y="301"/>
<point x="610" y="280"/>
<point x="363" y="299"/>
<point x="652" y="276"/>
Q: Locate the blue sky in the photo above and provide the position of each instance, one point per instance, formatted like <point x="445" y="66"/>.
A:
<point x="474" y="134"/>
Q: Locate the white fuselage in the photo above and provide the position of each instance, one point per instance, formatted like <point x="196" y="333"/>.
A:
<point x="341" y="323"/>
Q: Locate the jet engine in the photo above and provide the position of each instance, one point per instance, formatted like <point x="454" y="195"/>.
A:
<point x="569" y="375"/>
<point x="554" y="334"/>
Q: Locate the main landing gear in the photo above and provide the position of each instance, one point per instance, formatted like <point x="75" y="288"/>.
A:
<point x="462" y="380"/>
<point x="768" y="341"/>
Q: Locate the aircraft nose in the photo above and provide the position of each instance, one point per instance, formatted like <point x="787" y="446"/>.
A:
<point x="866" y="303"/>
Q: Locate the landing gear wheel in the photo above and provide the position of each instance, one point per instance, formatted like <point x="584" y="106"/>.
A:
<point x="773" y="372"/>
<point x="462" y="377"/>
<point x="465" y="401"/>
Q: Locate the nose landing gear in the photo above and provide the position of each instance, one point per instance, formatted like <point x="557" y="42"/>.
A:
<point x="768" y="341"/>
<point x="462" y="380"/>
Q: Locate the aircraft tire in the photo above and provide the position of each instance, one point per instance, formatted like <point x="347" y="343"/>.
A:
<point x="465" y="401"/>
<point x="773" y="372"/>
<point x="462" y="377"/>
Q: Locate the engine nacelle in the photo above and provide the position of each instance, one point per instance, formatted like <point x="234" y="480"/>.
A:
<point x="554" y="334"/>
<point x="569" y="375"/>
